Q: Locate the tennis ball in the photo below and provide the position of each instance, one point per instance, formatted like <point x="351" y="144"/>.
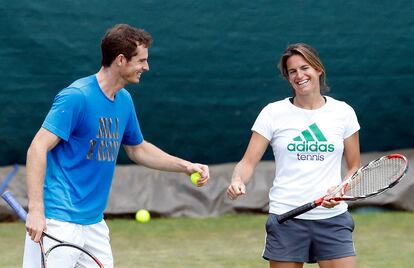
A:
<point x="142" y="216"/>
<point x="194" y="178"/>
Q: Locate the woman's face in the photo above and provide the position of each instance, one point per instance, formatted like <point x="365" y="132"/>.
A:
<point x="302" y="76"/>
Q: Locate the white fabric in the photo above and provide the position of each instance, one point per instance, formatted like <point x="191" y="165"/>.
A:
<point x="94" y="238"/>
<point x="305" y="169"/>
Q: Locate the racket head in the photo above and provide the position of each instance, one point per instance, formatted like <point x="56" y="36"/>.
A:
<point x="373" y="178"/>
<point x="60" y="252"/>
<point x="88" y="257"/>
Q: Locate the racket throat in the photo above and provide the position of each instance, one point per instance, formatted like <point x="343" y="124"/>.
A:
<point x="317" y="202"/>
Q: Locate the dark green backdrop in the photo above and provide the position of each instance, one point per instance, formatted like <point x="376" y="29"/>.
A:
<point x="213" y="66"/>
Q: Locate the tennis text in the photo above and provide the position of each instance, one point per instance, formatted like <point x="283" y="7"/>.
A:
<point x="310" y="157"/>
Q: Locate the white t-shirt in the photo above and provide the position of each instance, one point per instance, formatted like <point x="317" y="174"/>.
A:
<point x="308" y="146"/>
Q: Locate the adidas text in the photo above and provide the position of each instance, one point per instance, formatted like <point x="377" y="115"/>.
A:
<point x="310" y="147"/>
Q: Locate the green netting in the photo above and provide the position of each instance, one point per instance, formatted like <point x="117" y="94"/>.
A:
<point x="213" y="66"/>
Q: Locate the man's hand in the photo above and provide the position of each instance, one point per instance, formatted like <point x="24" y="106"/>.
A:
<point x="35" y="225"/>
<point x="202" y="169"/>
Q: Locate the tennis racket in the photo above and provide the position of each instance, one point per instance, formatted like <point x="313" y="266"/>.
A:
<point x="369" y="180"/>
<point x="9" y="176"/>
<point x="11" y="200"/>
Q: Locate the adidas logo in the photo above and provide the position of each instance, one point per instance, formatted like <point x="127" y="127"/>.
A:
<point x="311" y="140"/>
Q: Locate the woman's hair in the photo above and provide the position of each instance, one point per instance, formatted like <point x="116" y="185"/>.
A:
<point x="122" y="39"/>
<point x="310" y="55"/>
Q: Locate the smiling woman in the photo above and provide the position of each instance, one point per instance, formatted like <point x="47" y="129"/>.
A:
<point x="309" y="133"/>
<point x="305" y="82"/>
<point x="307" y="57"/>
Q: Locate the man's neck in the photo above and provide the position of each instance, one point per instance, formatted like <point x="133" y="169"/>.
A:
<point x="109" y="82"/>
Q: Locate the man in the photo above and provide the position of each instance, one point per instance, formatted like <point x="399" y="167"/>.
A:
<point x="71" y="160"/>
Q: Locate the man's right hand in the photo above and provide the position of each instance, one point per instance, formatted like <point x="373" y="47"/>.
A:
<point x="35" y="225"/>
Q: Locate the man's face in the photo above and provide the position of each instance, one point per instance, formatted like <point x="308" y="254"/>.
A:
<point x="131" y="70"/>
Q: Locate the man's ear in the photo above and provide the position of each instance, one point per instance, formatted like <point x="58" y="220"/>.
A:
<point x="120" y="60"/>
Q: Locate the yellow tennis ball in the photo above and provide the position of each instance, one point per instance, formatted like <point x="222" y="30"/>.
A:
<point x="142" y="216"/>
<point x="194" y="178"/>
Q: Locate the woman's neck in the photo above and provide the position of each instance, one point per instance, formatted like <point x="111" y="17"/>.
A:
<point x="309" y="103"/>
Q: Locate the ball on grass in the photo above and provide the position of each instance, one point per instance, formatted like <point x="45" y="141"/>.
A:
<point x="142" y="216"/>
<point x="194" y="178"/>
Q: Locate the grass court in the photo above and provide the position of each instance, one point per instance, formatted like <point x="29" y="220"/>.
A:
<point x="382" y="240"/>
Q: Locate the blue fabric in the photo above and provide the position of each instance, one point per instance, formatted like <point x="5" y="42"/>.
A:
<point x="309" y="241"/>
<point x="81" y="166"/>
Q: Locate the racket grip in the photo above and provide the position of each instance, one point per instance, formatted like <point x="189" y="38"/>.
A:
<point x="15" y="205"/>
<point x="8" y="178"/>
<point x="295" y="212"/>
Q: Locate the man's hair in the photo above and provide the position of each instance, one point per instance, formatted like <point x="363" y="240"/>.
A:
<point x="122" y="39"/>
<point x="310" y="55"/>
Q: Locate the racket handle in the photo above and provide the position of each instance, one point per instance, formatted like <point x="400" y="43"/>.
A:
<point x="8" y="178"/>
<point x="15" y="205"/>
<point x="295" y="212"/>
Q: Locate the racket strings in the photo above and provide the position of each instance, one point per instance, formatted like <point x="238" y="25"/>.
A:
<point x="375" y="177"/>
<point x="60" y="252"/>
<point x="67" y="252"/>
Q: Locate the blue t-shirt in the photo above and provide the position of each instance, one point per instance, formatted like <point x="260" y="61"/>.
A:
<point x="81" y="166"/>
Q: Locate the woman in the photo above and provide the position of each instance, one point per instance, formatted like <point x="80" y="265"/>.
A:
<point x="309" y="132"/>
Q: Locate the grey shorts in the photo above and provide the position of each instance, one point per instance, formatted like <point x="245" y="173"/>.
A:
<point x="309" y="240"/>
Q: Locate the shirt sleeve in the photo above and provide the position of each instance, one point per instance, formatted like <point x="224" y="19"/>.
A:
<point x="352" y="125"/>
<point x="263" y="125"/>
<point x="65" y="114"/>
<point x="132" y="134"/>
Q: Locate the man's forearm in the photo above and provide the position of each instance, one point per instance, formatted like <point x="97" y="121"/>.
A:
<point x="151" y="156"/>
<point x="35" y="172"/>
